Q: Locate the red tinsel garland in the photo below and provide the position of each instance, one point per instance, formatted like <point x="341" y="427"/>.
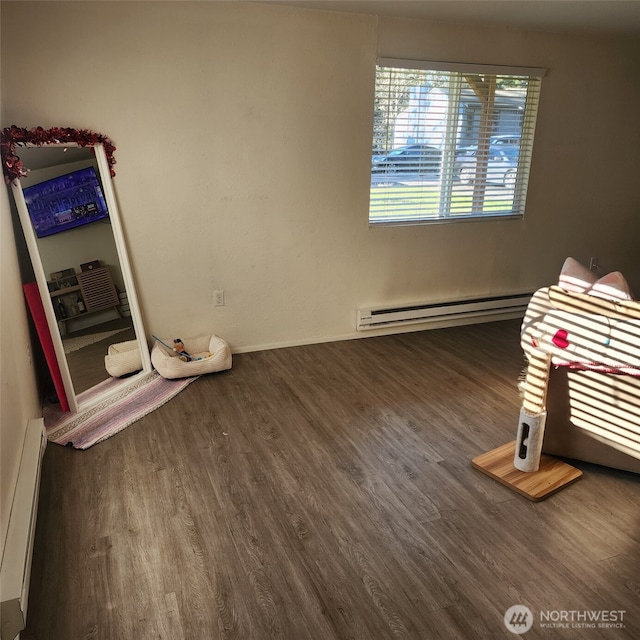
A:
<point x="13" y="137"/>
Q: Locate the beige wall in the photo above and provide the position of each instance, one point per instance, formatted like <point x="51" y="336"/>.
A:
<point x="243" y="143"/>
<point x="18" y="388"/>
<point x="243" y="138"/>
<point x="581" y="199"/>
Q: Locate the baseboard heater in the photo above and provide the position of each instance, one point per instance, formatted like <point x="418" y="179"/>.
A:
<point x="466" y="311"/>
<point x="16" y="557"/>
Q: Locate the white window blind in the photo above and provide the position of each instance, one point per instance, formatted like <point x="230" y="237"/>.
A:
<point x="451" y="141"/>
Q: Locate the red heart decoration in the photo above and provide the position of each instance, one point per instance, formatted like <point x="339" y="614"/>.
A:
<point x="560" y="339"/>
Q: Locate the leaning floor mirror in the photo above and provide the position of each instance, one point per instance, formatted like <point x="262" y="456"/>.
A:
<point x="72" y="228"/>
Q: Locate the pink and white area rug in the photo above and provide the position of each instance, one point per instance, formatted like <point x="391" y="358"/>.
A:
<point x="110" y="416"/>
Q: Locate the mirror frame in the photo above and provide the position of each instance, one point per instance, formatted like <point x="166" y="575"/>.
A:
<point x="41" y="279"/>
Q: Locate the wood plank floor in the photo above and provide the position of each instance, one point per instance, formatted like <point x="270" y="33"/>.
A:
<point x="326" y="492"/>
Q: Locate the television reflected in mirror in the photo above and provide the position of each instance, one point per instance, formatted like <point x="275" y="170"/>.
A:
<point x="65" y="202"/>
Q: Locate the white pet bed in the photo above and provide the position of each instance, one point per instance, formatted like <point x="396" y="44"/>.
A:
<point x="123" y="358"/>
<point x="214" y="354"/>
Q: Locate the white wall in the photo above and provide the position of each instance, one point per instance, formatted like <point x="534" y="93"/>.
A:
<point x="18" y="389"/>
<point x="243" y="137"/>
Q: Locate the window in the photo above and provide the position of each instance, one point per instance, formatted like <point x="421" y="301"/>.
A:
<point x="451" y="141"/>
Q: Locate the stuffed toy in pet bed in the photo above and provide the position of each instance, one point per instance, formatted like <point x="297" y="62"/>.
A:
<point x="192" y="357"/>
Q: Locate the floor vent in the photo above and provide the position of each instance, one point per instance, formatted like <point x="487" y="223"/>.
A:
<point x="457" y="312"/>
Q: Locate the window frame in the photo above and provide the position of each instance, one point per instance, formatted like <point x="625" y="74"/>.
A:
<point x="446" y="178"/>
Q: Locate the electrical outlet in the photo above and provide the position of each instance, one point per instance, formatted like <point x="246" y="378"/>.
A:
<point x="28" y="350"/>
<point x="593" y="264"/>
<point x="218" y="298"/>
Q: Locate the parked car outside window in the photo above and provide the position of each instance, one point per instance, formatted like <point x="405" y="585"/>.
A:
<point x="413" y="158"/>
<point x="502" y="166"/>
<point x="510" y="138"/>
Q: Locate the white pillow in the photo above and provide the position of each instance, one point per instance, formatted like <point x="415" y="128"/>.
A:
<point x="576" y="277"/>
<point x="613" y="286"/>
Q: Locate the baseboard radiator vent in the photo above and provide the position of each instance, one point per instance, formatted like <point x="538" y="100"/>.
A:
<point x="16" y="557"/>
<point x="454" y="312"/>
